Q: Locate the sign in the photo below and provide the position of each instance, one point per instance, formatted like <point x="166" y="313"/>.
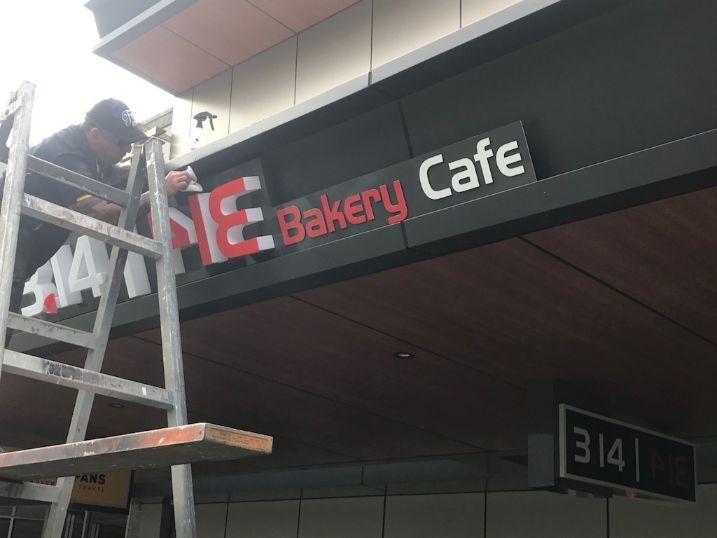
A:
<point x="598" y="450"/>
<point x="108" y="489"/>
<point x="222" y="225"/>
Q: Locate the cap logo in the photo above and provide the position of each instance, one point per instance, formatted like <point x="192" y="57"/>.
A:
<point x="127" y="117"/>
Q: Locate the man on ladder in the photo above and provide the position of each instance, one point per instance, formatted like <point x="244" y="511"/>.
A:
<point x="99" y="143"/>
<point x="91" y="149"/>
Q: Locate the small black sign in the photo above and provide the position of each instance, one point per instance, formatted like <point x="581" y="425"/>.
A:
<point x="598" y="450"/>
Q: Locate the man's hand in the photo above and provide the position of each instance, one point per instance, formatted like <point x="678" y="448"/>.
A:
<point x="176" y="181"/>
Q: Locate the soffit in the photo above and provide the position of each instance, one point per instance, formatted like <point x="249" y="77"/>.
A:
<point x="210" y="36"/>
<point x="623" y="305"/>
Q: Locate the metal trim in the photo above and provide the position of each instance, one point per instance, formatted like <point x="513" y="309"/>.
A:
<point x="142" y="23"/>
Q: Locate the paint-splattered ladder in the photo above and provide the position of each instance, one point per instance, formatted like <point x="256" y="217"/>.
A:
<point x="178" y="445"/>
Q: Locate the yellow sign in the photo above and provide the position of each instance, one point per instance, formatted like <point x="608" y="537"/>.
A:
<point x="109" y="489"/>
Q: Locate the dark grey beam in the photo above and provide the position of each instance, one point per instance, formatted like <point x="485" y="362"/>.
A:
<point x="678" y="167"/>
<point x="674" y="168"/>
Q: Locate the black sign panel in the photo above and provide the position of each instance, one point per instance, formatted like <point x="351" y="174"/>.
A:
<point x="598" y="450"/>
<point x="479" y="166"/>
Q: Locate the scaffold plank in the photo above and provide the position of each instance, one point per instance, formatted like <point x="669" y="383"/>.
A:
<point x="149" y="449"/>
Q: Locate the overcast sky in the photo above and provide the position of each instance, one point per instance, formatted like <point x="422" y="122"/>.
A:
<point x="49" y="42"/>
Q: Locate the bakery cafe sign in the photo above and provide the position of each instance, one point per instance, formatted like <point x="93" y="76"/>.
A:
<point x="221" y="229"/>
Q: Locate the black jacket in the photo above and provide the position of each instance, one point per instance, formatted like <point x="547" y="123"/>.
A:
<point x="67" y="148"/>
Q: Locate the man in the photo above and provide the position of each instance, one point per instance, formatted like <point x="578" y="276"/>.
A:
<point x="91" y="149"/>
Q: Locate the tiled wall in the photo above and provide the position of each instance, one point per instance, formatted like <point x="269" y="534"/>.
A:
<point x="334" y="51"/>
<point x="528" y="514"/>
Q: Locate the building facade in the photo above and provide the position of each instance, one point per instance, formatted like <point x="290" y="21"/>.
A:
<point x="424" y="225"/>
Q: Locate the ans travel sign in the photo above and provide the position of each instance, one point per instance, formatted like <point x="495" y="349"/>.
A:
<point x="218" y="224"/>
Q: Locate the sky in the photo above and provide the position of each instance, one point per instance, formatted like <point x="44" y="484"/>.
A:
<point x="49" y="43"/>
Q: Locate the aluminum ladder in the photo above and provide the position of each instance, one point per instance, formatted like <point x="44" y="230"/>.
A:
<point x="177" y="445"/>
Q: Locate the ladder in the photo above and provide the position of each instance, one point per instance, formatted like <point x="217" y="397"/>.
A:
<point x="178" y="445"/>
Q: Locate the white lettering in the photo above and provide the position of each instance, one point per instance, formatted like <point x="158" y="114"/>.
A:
<point x="61" y="263"/>
<point x="504" y="162"/>
<point x="426" y="184"/>
<point x="40" y="286"/>
<point x="469" y="172"/>
<point x="483" y="153"/>
<point x="89" y="266"/>
<point x="135" y="275"/>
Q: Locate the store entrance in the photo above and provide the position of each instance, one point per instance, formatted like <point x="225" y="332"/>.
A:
<point x="27" y="521"/>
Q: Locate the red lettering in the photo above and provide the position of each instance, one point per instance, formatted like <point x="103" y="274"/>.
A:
<point x="397" y="210"/>
<point x="367" y="196"/>
<point x="681" y="472"/>
<point x="354" y="209"/>
<point x="181" y="227"/>
<point x="657" y="465"/>
<point x="292" y="230"/>
<point x="316" y="226"/>
<point x="231" y="222"/>
<point x="196" y="203"/>
<point x="333" y="213"/>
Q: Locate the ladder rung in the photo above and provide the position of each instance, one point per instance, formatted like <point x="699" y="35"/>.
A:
<point x="150" y="449"/>
<point x="78" y="378"/>
<point x="28" y="491"/>
<point x="9" y="111"/>
<point x="92" y="186"/>
<point x="77" y="222"/>
<point x="52" y="331"/>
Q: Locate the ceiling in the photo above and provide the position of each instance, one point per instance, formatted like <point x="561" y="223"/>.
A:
<point x="210" y="36"/>
<point x="623" y="305"/>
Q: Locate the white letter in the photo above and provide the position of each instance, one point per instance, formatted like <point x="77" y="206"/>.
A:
<point x="40" y="285"/>
<point x="503" y="162"/>
<point x="425" y="184"/>
<point x="135" y="275"/>
<point x="61" y="263"/>
<point x="89" y="266"/>
<point x="483" y="153"/>
<point x="468" y="172"/>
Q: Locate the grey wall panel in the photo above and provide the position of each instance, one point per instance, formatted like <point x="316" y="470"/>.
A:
<point x="638" y="518"/>
<point x="211" y="520"/>
<point x="363" y="144"/>
<point x="334" y="51"/>
<point x="150" y="517"/>
<point x="348" y="518"/>
<point x="275" y="519"/>
<point x="428" y="516"/>
<point x="400" y="26"/>
<point x="631" y="78"/>
<point x="537" y="514"/>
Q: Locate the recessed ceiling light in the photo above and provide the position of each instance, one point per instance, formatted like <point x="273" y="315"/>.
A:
<point x="117" y="405"/>
<point x="404" y="355"/>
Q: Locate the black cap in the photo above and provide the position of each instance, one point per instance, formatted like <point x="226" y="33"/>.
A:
<point x="114" y="117"/>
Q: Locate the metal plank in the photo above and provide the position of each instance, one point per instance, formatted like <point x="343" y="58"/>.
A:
<point x="77" y="222"/>
<point x="27" y="491"/>
<point x="143" y="450"/>
<point x="68" y="177"/>
<point x="82" y="379"/>
<point x="53" y="331"/>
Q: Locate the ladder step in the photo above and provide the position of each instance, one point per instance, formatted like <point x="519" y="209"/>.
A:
<point x="52" y="331"/>
<point x="78" y="378"/>
<point x="28" y="491"/>
<point x="77" y="222"/>
<point x="150" y="449"/>
<point x="87" y="184"/>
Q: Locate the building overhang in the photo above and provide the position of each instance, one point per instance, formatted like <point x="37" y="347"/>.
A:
<point x="177" y="44"/>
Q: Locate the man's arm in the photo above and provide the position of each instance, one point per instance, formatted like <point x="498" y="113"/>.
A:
<point x="109" y="212"/>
